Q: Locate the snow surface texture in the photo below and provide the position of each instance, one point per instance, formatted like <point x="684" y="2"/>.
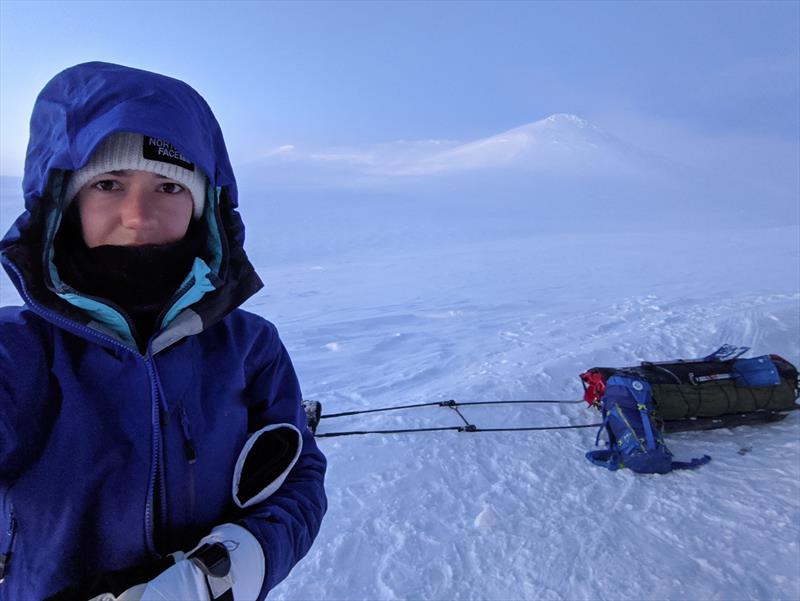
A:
<point x="524" y="515"/>
<point x="387" y="302"/>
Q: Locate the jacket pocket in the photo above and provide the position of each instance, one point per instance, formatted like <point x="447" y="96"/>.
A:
<point x="8" y="523"/>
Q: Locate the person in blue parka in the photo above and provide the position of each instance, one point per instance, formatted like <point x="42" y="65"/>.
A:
<point x="152" y="439"/>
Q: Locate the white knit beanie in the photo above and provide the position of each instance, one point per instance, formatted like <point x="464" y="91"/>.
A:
<point x="130" y="151"/>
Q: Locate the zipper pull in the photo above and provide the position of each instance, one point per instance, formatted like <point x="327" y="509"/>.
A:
<point x="188" y="442"/>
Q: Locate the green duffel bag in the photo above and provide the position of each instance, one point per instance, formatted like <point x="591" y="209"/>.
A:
<point x="709" y="387"/>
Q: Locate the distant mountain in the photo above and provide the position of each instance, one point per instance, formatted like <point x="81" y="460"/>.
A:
<point x="560" y="171"/>
<point x="561" y="143"/>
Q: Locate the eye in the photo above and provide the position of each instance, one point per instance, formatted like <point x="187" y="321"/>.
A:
<point x="171" y="188"/>
<point x="107" y="185"/>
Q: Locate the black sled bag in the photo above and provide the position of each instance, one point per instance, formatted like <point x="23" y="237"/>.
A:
<point x="723" y="383"/>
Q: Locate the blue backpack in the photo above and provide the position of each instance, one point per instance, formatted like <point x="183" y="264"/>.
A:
<point x="634" y="441"/>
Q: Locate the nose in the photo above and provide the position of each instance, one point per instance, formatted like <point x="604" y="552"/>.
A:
<point x="136" y="212"/>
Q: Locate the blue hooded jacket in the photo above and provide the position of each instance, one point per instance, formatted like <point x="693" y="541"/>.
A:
<point x="111" y="457"/>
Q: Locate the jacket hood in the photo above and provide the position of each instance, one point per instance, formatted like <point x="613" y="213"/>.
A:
<point x="73" y="114"/>
<point x="84" y="104"/>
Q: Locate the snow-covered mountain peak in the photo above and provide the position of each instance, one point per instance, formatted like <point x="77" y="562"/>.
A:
<point x="566" y="119"/>
<point x="559" y="125"/>
<point x="561" y="142"/>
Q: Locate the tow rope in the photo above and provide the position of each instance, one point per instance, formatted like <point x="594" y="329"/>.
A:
<point x="313" y="411"/>
<point x="720" y="390"/>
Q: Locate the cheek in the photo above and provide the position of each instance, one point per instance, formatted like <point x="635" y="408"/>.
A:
<point x="178" y="215"/>
<point x="97" y="221"/>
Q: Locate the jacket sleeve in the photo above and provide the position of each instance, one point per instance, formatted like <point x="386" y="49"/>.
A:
<point x="287" y="522"/>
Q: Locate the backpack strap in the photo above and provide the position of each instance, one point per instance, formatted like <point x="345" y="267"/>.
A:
<point x="648" y="427"/>
<point x="603" y="426"/>
<point x="642" y="395"/>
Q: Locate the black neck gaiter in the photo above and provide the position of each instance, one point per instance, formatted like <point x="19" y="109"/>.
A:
<point x="138" y="279"/>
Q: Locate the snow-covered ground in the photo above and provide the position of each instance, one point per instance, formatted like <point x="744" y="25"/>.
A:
<point x="402" y="317"/>
<point x="383" y="305"/>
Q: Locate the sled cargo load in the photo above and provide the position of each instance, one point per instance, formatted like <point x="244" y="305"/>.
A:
<point x="720" y="384"/>
<point x="640" y="403"/>
<point x="634" y="439"/>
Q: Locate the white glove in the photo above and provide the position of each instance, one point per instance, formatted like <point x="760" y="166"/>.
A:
<point x="263" y="465"/>
<point x="186" y="581"/>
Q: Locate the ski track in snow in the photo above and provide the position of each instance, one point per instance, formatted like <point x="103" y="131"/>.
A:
<point x="524" y="515"/>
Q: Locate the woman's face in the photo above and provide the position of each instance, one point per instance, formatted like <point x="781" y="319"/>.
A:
<point x="133" y="208"/>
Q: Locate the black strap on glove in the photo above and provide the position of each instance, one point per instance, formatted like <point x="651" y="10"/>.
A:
<point x="215" y="563"/>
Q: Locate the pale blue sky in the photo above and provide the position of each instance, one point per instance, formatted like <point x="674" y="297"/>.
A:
<point x="349" y="73"/>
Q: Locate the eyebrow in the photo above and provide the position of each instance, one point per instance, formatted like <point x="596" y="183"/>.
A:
<point x="128" y="172"/>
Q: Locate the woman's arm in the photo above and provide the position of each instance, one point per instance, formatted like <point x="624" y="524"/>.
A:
<point x="277" y="491"/>
<point x="287" y="522"/>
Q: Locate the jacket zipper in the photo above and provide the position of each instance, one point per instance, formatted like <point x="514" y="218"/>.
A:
<point x="157" y="484"/>
<point x="155" y="472"/>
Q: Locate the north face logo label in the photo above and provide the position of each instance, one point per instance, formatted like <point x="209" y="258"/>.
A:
<point x="161" y="150"/>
